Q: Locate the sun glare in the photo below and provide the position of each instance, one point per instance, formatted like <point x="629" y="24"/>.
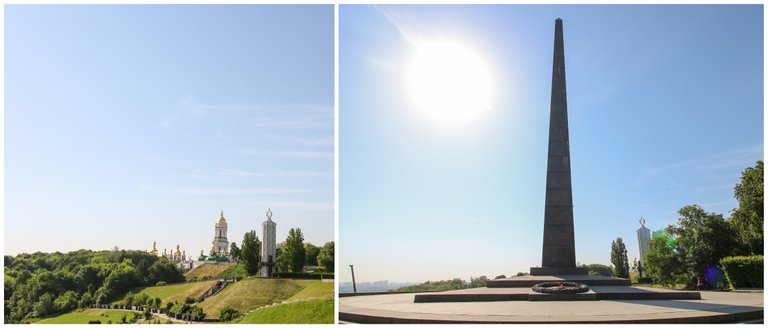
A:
<point x="448" y="83"/>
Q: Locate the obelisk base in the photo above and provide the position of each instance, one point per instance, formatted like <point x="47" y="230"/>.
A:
<point x="570" y="271"/>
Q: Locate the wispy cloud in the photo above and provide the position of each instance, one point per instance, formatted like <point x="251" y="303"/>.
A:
<point x="315" y="206"/>
<point x="381" y="64"/>
<point x="228" y="191"/>
<point x="288" y="153"/>
<point x="277" y="173"/>
<point x="406" y="26"/>
<point x="729" y="159"/>
<point x="280" y="115"/>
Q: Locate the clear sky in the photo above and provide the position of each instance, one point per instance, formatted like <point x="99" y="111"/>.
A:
<point x="128" y="124"/>
<point x="665" y="110"/>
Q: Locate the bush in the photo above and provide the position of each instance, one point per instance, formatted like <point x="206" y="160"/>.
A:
<point x="501" y="276"/>
<point x="91" y="322"/>
<point x="161" y="283"/>
<point x="743" y="271"/>
<point x="228" y="313"/>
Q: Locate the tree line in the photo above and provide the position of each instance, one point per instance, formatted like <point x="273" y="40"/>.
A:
<point x="691" y="250"/>
<point x="44" y="284"/>
<point x="292" y="255"/>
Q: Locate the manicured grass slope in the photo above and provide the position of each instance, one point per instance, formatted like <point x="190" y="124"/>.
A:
<point x="313" y="289"/>
<point x="87" y="315"/>
<point x="308" y="311"/>
<point x="176" y="293"/>
<point x="251" y="293"/>
<point x="208" y="269"/>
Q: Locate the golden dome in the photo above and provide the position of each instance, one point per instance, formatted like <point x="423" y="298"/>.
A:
<point x="221" y="218"/>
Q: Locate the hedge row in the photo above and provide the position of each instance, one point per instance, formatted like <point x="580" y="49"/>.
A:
<point x="303" y="275"/>
<point x="744" y="271"/>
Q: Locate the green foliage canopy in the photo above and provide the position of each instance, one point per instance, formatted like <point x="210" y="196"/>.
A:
<point x="250" y="252"/>
<point x="747" y="219"/>
<point x="619" y="258"/>
<point x="325" y="257"/>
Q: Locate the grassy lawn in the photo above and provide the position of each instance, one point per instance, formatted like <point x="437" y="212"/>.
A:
<point x="175" y="293"/>
<point x="310" y="311"/>
<point x="85" y="315"/>
<point x="251" y="293"/>
<point x="235" y="271"/>
<point x="313" y="289"/>
<point x="208" y="269"/>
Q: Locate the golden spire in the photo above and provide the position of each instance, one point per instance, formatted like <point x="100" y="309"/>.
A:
<point x="221" y="218"/>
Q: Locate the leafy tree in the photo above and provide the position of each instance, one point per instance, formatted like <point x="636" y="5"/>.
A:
<point x="128" y="298"/>
<point x="599" y="269"/>
<point x="65" y="302"/>
<point x="234" y="252"/>
<point x="478" y="282"/>
<point x="311" y="252"/>
<point x="228" y="313"/>
<point x="325" y="257"/>
<point x="197" y="311"/>
<point x="619" y="258"/>
<point x="293" y="250"/>
<point x="747" y="219"/>
<point x="705" y="238"/>
<point x="44" y="305"/>
<point x="662" y="263"/>
<point x="85" y="300"/>
<point x="250" y="252"/>
<point x="163" y="270"/>
<point x="140" y="299"/>
<point x="282" y="263"/>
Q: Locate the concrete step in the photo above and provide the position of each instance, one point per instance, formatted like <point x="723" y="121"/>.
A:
<point x="529" y="281"/>
<point x="596" y="293"/>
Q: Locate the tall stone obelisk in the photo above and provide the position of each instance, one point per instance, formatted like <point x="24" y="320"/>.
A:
<point x="558" y="254"/>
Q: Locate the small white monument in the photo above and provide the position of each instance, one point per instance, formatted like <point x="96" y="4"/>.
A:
<point x="269" y="245"/>
<point x="644" y="243"/>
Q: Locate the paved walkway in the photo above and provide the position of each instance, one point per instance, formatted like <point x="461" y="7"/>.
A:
<point x="400" y="308"/>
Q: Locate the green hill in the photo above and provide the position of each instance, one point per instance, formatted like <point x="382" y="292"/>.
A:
<point x="318" y="310"/>
<point x="312" y="301"/>
<point x="313" y="289"/>
<point x="207" y="269"/>
<point x="83" y="316"/>
<point x="176" y="293"/>
<point x="251" y="293"/>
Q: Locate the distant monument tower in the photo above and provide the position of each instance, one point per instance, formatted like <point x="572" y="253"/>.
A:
<point x="220" y="243"/>
<point x="268" y="246"/>
<point x="559" y="252"/>
<point x="644" y="242"/>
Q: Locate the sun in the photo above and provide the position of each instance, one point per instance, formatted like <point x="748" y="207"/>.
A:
<point x="448" y="82"/>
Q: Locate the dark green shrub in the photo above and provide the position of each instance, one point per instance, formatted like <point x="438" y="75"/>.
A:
<point x="744" y="271"/>
<point x="228" y="313"/>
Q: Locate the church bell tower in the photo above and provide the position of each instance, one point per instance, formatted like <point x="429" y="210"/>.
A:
<point x="220" y="243"/>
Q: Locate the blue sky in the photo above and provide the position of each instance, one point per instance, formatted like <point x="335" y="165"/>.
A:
<point x="128" y="124"/>
<point x="665" y="109"/>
